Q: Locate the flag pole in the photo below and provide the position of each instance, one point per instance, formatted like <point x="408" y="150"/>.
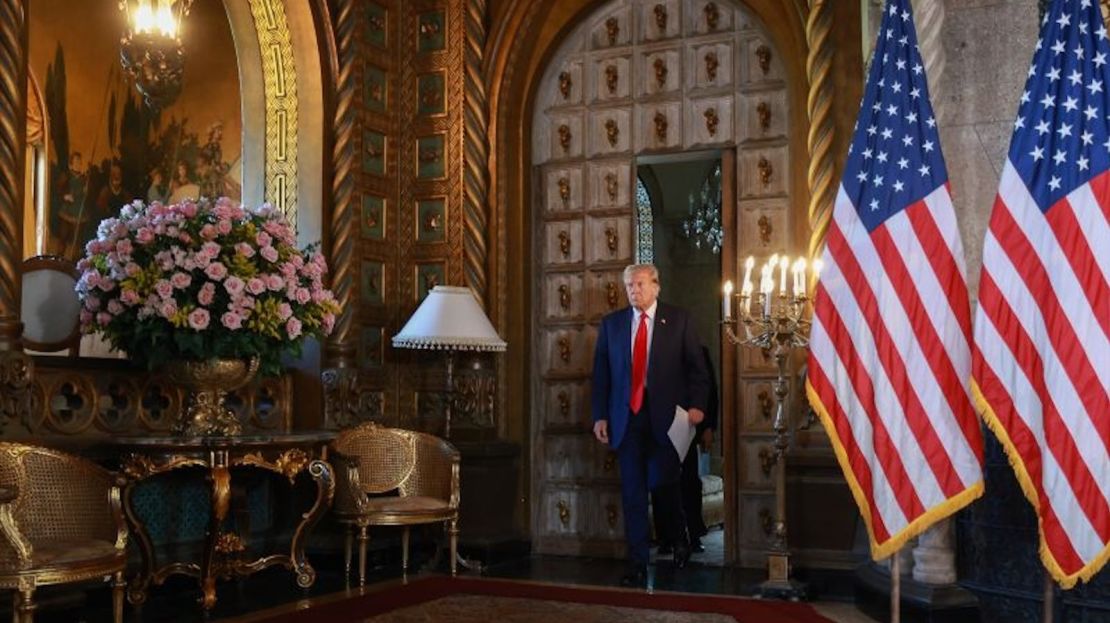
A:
<point x="896" y="588"/>
<point x="1049" y="598"/>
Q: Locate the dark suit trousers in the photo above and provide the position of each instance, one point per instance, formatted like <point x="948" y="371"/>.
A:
<point x="644" y="465"/>
<point x="690" y="484"/>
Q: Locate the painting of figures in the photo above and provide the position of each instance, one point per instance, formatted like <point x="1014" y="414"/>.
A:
<point x="103" y="146"/>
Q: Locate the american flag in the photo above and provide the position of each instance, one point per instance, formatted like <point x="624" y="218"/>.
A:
<point x="890" y="353"/>
<point x="1042" y="351"/>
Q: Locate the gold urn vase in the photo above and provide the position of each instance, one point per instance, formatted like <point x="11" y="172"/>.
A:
<point x="208" y="383"/>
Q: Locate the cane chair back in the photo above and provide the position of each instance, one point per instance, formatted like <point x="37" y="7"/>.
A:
<point x="62" y="522"/>
<point x="394" y="477"/>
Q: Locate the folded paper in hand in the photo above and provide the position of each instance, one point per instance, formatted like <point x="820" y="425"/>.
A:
<point x="681" y="432"/>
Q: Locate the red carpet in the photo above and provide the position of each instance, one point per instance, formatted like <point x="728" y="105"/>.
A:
<point x="356" y="608"/>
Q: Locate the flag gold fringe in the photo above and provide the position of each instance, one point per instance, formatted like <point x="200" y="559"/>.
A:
<point x="914" y="528"/>
<point x="1065" y="580"/>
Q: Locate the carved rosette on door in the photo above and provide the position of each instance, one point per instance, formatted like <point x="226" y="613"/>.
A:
<point x="564" y="513"/>
<point x="660" y="120"/>
<point x="612" y="241"/>
<point x="660" y="66"/>
<point x="564" y="297"/>
<point x="564" y="138"/>
<point x="712" y="15"/>
<point x="564" y="405"/>
<point x="611" y="187"/>
<point x="711" y="65"/>
<point x="612" y="294"/>
<point x="763" y="112"/>
<point x="563" y="344"/>
<point x="711" y="121"/>
<point x="612" y="30"/>
<point x="766" y="171"/>
<point x="564" y="243"/>
<point x="612" y="132"/>
<point x="564" y="84"/>
<point x="611" y="77"/>
<point x="564" y="190"/>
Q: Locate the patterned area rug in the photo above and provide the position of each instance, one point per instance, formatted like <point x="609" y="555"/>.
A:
<point x="443" y="599"/>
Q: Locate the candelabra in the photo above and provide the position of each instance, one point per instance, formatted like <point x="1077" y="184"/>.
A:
<point x="779" y="325"/>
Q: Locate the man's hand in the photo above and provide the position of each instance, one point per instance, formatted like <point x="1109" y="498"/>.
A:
<point x="695" y="416"/>
<point x="601" y="430"/>
<point x="707" y="439"/>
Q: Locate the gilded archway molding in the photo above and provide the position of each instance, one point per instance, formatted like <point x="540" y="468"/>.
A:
<point x="821" y="177"/>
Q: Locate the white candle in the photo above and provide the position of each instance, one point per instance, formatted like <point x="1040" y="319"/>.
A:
<point x="726" y="302"/>
<point x="767" y="299"/>
<point x="800" y="277"/>
<point x="746" y="284"/>
<point x="783" y="262"/>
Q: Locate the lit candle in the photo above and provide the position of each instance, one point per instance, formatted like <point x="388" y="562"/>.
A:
<point x="726" y="302"/>
<point x="783" y="262"/>
<point x="800" y="277"/>
<point x="747" y="283"/>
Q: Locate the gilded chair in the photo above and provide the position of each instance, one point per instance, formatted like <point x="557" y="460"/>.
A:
<point x="50" y="307"/>
<point x="394" y="477"/>
<point x="61" y="521"/>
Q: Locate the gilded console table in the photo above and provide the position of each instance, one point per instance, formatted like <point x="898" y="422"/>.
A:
<point x="287" y="454"/>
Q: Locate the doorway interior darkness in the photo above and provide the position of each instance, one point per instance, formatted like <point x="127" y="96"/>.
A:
<point x="678" y="225"/>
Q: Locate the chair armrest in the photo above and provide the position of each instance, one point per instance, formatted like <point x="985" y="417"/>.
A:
<point x="12" y="534"/>
<point x="115" y="501"/>
<point x="454" y="502"/>
<point x="348" y="490"/>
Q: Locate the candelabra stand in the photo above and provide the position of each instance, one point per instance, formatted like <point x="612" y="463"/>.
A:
<point x="780" y="326"/>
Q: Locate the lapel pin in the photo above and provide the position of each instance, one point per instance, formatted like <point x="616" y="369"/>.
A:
<point x="662" y="321"/>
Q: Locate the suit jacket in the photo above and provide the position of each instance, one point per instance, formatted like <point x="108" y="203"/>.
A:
<point x="676" y="373"/>
<point x="712" y="405"/>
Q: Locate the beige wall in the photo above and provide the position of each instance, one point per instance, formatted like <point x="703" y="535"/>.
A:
<point x="989" y="45"/>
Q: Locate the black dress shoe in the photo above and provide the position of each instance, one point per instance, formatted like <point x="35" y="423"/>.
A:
<point x="681" y="555"/>
<point x="635" y="576"/>
<point x="697" y="547"/>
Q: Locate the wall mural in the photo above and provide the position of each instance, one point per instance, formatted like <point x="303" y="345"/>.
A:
<point x="104" y="146"/>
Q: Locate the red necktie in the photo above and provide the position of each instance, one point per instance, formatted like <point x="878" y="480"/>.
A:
<point x="639" y="365"/>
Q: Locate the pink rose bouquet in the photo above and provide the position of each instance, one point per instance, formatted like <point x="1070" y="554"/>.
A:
<point x="203" y="280"/>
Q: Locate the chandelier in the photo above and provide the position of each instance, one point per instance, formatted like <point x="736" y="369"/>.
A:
<point x="703" y="225"/>
<point x="150" y="49"/>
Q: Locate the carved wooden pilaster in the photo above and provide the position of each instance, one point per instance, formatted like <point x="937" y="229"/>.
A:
<point x="15" y="366"/>
<point x="822" y="185"/>
<point x="475" y="153"/>
<point x="340" y="375"/>
<point x="929" y="16"/>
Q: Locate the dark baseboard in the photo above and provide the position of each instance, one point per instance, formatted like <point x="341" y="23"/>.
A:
<point x="920" y="603"/>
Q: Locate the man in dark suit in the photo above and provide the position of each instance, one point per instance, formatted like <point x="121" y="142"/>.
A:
<point x="647" y="361"/>
<point x="690" y="481"/>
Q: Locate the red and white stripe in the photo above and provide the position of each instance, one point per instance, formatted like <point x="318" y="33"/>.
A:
<point x="1042" y="361"/>
<point x="889" y="361"/>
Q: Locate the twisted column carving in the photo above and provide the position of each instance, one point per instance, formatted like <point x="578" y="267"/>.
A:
<point x="15" y="366"/>
<point x="929" y="15"/>
<point x="822" y="188"/>
<point x="338" y="379"/>
<point x="475" y="152"/>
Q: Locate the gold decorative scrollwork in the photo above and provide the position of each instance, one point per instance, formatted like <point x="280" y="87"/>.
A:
<point x="564" y="404"/>
<point x="763" y="54"/>
<point x="564" y="296"/>
<point x="763" y="111"/>
<point x="612" y="294"/>
<point x="660" y="12"/>
<point x="611" y="515"/>
<point x="564" y="190"/>
<point x="711" y="65"/>
<point x="766" y="404"/>
<point x="660" y="66"/>
<point x="564" y="84"/>
<point x="564" y="243"/>
<point x="765" y="230"/>
<point x="711" y="121"/>
<point x="612" y="132"/>
<point x="289" y="463"/>
<point x="564" y="137"/>
<point x="611" y="240"/>
<point x="660" y="120"/>
<point x="611" y="77"/>
<point x="765" y="170"/>
<point x="611" y="187"/>
<point x="612" y="30"/>
<point x="279" y="73"/>
<point x="564" y="348"/>
<point x="229" y="542"/>
<point x="564" y="513"/>
<point x="712" y="15"/>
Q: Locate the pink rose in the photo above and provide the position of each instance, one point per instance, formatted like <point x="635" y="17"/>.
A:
<point x="198" y="319"/>
<point x="168" y="310"/>
<point x="216" y="271"/>
<point x="85" y="316"/>
<point x="180" y="281"/>
<point x="285" y="310"/>
<point x="116" y="308"/>
<point x="211" y="249"/>
<point x="123" y="247"/>
<point x="224" y="227"/>
<point x="329" y="323"/>
<point x="302" y="295"/>
<point x="269" y="253"/>
<point x="234" y="286"/>
<point x="263" y="239"/>
<point x="293" y="328"/>
<point x="164" y="289"/>
<point x="207" y="293"/>
<point x="208" y="232"/>
<point x="189" y="209"/>
<point x="288" y="270"/>
<point x="232" y="320"/>
<point x="103" y="318"/>
<point x="244" y="249"/>
<point x="129" y="297"/>
<point x="274" y="282"/>
<point x="132" y="269"/>
<point x="144" y="236"/>
<point x="256" y="286"/>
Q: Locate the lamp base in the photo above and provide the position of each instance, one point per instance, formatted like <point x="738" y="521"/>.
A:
<point x="779" y="584"/>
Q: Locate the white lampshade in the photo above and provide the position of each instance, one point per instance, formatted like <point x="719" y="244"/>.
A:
<point x="449" y="319"/>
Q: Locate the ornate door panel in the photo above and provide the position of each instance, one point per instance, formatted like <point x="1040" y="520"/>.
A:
<point x="643" y="77"/>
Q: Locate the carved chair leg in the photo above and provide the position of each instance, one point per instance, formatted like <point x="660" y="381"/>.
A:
<point x="27" y="605"/>
<point x="405" y="550"/>
<point x="363" y="538"/>
<point x="453" y="531"/>
<point x="347" y="557"/>
<point x="119" y="590"/>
